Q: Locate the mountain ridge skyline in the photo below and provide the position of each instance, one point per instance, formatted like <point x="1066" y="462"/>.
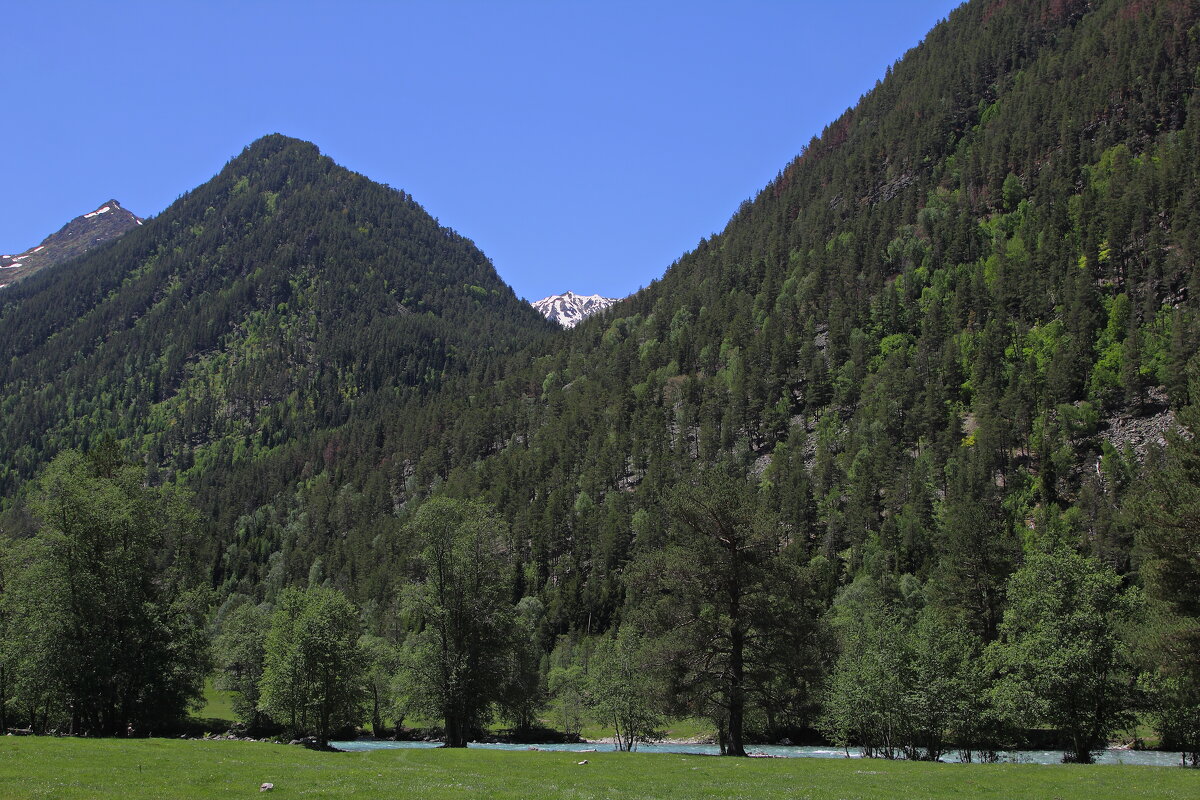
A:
<point x="602" y="94"/>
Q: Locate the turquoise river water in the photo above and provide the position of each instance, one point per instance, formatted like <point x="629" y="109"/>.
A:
<point x="1144" y="757"/>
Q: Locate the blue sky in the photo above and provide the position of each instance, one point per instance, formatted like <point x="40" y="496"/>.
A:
<point x="582" y="146"/>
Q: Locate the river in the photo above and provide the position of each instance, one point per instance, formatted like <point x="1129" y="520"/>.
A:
<point x="1143" y="757"/>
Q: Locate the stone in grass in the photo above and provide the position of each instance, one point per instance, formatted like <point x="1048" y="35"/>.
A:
<point x="581" y="763"/>
<point x="266" y="787"/>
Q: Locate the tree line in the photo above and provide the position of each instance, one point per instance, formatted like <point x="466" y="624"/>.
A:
<point x="109" y="630"/>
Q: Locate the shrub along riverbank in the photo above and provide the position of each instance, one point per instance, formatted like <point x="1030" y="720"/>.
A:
<point x="160" y="768"/>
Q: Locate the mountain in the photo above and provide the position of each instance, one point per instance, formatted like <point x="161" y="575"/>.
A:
<point x="569" y="309"/>
<point x="285" y="296"/>
<point x="105" y="223"/>
<point x="918" y="343"/>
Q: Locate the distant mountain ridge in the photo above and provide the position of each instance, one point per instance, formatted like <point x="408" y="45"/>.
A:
<point x="569" y="309"/>
<point x="282" y="279"/>
<point x="105" y="223"/>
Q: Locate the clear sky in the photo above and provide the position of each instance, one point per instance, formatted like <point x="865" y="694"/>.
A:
<point x="581" y="145"/>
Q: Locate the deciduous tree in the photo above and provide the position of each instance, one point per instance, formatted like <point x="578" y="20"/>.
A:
<point x="622" y="688"/>
<point x="314" y="673"/>
<point x="1059" y="656"/>
<point x="240" y="650"/>
<point x="459" y="657"/>
<point x="109" y="631"/>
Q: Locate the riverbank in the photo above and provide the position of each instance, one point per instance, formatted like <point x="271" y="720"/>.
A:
<point x="156" y="769"/>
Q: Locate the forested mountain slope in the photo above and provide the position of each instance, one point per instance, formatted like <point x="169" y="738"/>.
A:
<point x="276" y="300"/>
<point x="914" y="339"/>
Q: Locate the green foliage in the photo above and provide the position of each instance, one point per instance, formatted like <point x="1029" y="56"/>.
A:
<point x="977" y="545"/>
<point x="622" y="689"/>
<point x="946" y="699"/>
<point x="900" y="687"/>
<point x="313" y="678"/>
<point x="240" y="651"/>
<point x="863" y="699"/>
<point x="567" y="687"/>
<point x="8" y="651"/>
<point x="524" y="694"/>
<point x="727" y="604"/>
<point x="459" y="656"/>
<point x="1060" y="659"/>
<point x="383" y="660"/>
<point x="1012" y="192"/>
<point x="102" y="636"/>
<point x="1166" y="503"/>
<point x="1175" y="709"/>
<point x="1163" y="644"/>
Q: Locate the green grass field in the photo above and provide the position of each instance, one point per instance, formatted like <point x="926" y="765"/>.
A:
<point x="218" y="703"/>
<point x="162" y="768"/>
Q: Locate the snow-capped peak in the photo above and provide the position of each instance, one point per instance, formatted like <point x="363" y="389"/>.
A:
<point x="107" y="222"/>
<point x="569" y="309"/>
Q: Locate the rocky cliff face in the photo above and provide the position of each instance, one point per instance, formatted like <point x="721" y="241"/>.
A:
<point x="81" y="234"/>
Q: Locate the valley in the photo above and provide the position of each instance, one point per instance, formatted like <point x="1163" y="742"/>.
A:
<point x="902" y="460"/>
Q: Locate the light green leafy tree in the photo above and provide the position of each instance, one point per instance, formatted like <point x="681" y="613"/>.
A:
<point x="905" y="683"/>
<point x="864" y="698"/>
<point x="314" y="673"/>
<point x="947" y="701"/>
<point x="1060" y="658"/>
<point x="383" y="659"/>
<point x="622" y="689"/>
<point x="240" y="649"/>
<point x="568" y="697"/>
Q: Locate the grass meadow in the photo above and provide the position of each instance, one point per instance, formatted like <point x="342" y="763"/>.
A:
<point x="39" y="767"/>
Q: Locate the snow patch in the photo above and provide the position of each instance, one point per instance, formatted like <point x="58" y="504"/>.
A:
<point x="12" y="266"/>
<point x="97" y="212"/>
<point x="39" y="247"/>
<point x="570" y="309"/>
